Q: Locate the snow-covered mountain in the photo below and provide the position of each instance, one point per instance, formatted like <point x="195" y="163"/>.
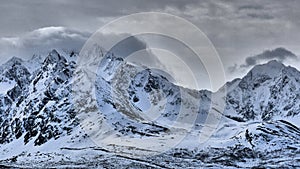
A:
<point x="257" y="128"/>
<point x="268" y="91"/>
<point x="36" y="105"/>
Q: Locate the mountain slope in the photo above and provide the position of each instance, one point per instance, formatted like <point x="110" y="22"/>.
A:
<point x="40" y="106"/>
<point x="268" y="91"/>
<point x="37" y="113"/>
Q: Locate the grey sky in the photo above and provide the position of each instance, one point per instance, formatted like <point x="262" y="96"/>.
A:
<point x="237" y="28"/>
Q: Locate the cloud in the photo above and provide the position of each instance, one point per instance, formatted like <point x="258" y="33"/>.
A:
<point x="233" y="69"/>
<point x="262" y="16"/>
<point x="20" y="16"/>
<point x="251" y="7"/>
<point x="279" y="54"/>
<point x="236" y="28"/>
<point x="40" y="41"/>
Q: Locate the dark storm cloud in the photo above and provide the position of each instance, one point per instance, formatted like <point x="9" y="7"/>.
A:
<point x="279" y="54"/>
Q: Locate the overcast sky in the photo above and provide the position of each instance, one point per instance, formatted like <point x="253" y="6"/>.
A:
<point x="242" y="31"/>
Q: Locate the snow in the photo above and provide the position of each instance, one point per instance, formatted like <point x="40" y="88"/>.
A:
<point x="139" y="117"/>
<point x="6" y="86"/>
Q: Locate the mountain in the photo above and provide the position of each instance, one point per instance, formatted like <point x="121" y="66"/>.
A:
<point x="47" y="120"/>
<point x="39" y="102"/>
<point x="268" y="91"/>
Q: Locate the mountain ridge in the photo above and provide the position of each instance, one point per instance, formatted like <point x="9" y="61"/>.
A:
<point x="39" y="112"/>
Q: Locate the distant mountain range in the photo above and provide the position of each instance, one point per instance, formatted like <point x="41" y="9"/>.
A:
<point x="41" y="127"/>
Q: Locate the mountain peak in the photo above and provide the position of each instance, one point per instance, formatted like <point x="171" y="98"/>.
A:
<point x="274" y="64"/>
<point x="14" y="60"/>
<point x="54" y="57"/>
<point x="262" y="73"/>
<point x="54" y="52"/>
<point x="270" y="69"/>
